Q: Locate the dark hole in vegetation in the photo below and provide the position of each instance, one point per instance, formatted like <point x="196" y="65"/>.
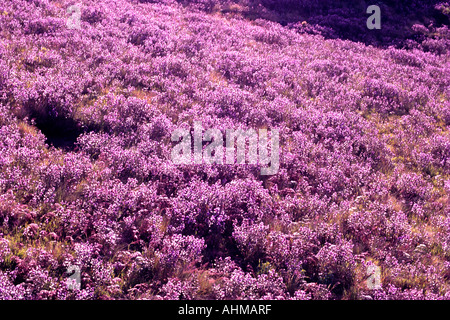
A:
<point x="60" y="132"/>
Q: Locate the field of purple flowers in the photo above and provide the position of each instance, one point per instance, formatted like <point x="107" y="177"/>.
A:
<point x="87" y="180"/>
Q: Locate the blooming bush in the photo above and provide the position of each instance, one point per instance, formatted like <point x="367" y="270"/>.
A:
<point x="87" y="181"/>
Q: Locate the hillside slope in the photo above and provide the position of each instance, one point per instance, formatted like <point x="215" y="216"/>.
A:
<point x="86" y="176"/>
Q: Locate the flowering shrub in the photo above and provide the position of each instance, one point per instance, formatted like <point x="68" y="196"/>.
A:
<point x="87" y="180"/>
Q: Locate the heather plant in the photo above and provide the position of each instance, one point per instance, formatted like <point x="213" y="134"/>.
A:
<point x="87" y="179"/>
<point x="238" y="284"/>
<point x="336" y="266"/>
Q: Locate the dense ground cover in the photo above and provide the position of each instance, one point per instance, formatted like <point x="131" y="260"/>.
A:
<point x="86" y="177"/>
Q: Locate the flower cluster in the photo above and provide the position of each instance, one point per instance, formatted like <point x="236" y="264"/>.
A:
<point x="87" y="179"/>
